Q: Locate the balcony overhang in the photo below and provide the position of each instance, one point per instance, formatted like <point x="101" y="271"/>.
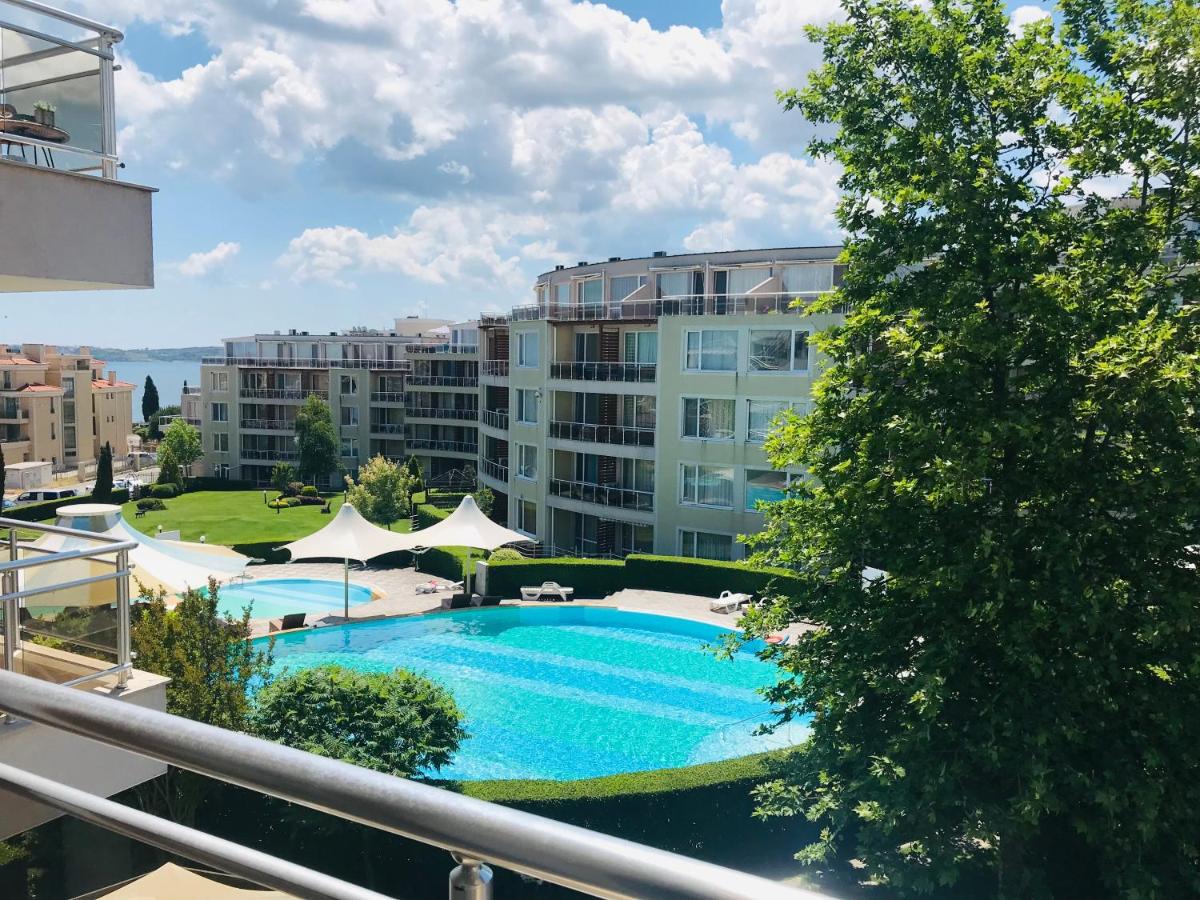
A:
<point x="61" y="231"/>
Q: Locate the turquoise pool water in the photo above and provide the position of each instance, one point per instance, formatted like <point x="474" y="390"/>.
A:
<point x="567" y="692"/>
<point x="275" y="597"/>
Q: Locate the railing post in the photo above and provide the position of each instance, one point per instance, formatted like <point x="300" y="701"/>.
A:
<point x="124" y="648"/>
<point x="108" y="110"/>
<point x="471" y="879"/>
<point x="12" y="614"/>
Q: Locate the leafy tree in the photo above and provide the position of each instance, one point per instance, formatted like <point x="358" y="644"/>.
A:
<point x="316" y="439"/>
<point x="484" y="499"/>
<point x="149" y="399"/>
<point x="182" y="441"/>
<point x="416" y="473"/>
<point x="395" y="722"/>
<point x="383" y="492"/>
<point x="168" y="468"/>
<point x="104" y="475"/>
<point x="1007" y="427"/>
<point x="282" y="474"/>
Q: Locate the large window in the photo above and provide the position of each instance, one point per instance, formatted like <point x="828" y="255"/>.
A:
<point x="220" y="442"/>
<point x="762" y="414"/>
<point x="623" y="286"/>
<point x="527" y="350"/>
<point x="591" y="292"/>
<point x="562" y="293"/>
<point x="641" y="347"/>
<point x="705" y="545"/>
<point x="710" y="351"/>
<point x="527" y="406"/>
<point x="638" y="474"/>
<point x="527" y="516"/>
<point x="350" y="416"/>
<point x="708" y="419"/>
<point x="639" y="410"/>
<point x="218" y="381"/>
<point x="220" y="412"/>
<point x="778" y="351"/>
<point x="739" y="281"/>
<point x="706" y="485"/>
<point x="349" y="385"/>
<point x="680" y="284"/>
<point x="808" y="279"/>
<point x="350" y="448"/>
<point x="765" y="486"/>
<point x="527" y="461"/>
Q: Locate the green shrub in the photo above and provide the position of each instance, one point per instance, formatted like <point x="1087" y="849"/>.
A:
<point x="164" y="491"/>
<point x="505" y="554"/>
<point x="591" y="578"/>
<point x="48" y="509"/>
<point x="443" y="563"/>
<point x="150" y="504"/>
<point x="309" y="490"/>
<point x="306" y="500"/>
<point x="704" y="577"/>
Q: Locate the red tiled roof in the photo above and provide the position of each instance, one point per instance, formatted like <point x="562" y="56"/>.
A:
<point x="40" y="388"/>
<point x="109" y="385"/>
<point x="18" y="361"/>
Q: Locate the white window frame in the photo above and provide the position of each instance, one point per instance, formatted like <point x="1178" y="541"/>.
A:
<point x="733" y="479"/>
<point x="802" y="407"/>
<point x="733" y="555"/>
<point x="219" y="438"/>
<point x="519" y="516"/>
<point x="522" y="406"/>
<point x="788" y="478"/>
<point x="528" y="473"/>
<point x="702" y="332"/>
<point x="350" y="380"/>
<point x="793" y="368"/>
<point x="349" y="412"/>
<point x="218" y="382"/>
<point x="683" y="419"/>
<point x="223" y="414"/>
<point x="523" y="354"/>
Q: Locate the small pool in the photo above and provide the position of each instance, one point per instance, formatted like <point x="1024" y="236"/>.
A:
<point x="567" y="692"/>
<point x="275" y="597"/>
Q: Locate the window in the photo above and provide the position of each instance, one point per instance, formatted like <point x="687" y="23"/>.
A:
<point x="739" y="281"/>
<point x="706" y="485"/>
<point x="810" y="279"/>
<point x="621" y="287"/>
<point x="705" y="545"/>
<point x="639" y="411"/>
<point x="680" y="284"/>
<point x="220" y="412"/>
<point x="710" y="351"/>
<point x="708" y="419"/>
<point x="778" y="351"/>
<point x="349" y="385"/>
<point x="527" y="461"/>
<point x="218" y="381"/>
<point x="638" y="475"/>
<point x="641" y="347"/>
<point x="765" y="486"/>
<point x="763" y="413"/>
<point x="350" y="448"/>
<point x="591" y="292"/>
<point x="527" y="350"/>
<point x="350" y="416"/>
<point x="562" y="293"/>
<point x="527" y="406"/>
<point x="527" y="516"/>
<point x="220" y="442"/>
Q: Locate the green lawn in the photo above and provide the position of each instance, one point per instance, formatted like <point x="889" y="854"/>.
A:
<point x="234" y="518"/>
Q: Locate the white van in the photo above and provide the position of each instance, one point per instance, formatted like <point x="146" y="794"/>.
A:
<point x="47" y="494"/>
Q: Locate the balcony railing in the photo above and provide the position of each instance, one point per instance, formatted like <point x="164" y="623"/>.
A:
<point x="444" y="380"/>
<point x="625" y="435"/>
<point x="255" y="362"/>
<point x="387" y="396"/>
<point x="270" y="424"/>
<point x="477" y="834"/>
<point x="387" y="428"/>
<point x="603" y="494"/>
<point x="497" y="368"/>
<point x="496" y="469"/>
<point x="273" y="394"/>
<point x="685" y="305"/>
<point x="456" y="349"/>
<point x="271" y="455"/>
<point x="495" y="418"/>
<point x="641" y="373"/>
<point x="441" y="446"/>
<point x="60" y="88"/>
<point x="441" y="412"/>
<point x="491" y="320"/>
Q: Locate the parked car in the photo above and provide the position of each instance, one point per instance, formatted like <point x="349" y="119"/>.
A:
<point x="47" y="494"/>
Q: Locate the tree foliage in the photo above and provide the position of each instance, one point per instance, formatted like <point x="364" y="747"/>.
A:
<point x="383" y="491"/>
<point x="1008" y="427"/>
<point x="396" y="722"/>
<point x="102" y="492"/>
<point x="316" y="439"/>
<point x="416" y="472"/>
<point x="169" y="471"/>
<point x="282" y="474"/>
<point x="183" y="442"/>
<point x="149" y="399"/>
<point x="484" y="499"/>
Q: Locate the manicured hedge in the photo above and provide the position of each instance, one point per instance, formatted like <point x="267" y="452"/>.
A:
<point x="591" y="578"/>
<point x="705" y="577"/>
<point x="40" y="512"/>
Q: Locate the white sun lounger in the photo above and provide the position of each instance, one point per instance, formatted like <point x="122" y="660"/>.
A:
<point x="548" y="590"/>
<point x="728" y="602"/>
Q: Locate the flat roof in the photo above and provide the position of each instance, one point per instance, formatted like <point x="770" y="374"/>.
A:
<point x="816" y="251"/>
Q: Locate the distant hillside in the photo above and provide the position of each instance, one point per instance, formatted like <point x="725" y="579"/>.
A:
<point x="115" y="354"/>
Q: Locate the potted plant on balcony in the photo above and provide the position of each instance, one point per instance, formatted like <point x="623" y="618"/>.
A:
<point x="43" y="113"/>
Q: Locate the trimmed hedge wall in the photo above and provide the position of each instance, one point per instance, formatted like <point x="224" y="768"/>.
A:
<point x="596" y="578"/>
<point x="46" y="509"/>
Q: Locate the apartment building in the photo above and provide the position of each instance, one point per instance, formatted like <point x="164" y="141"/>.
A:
<point x="626" y="409"/>
<point x="409" y="390"/>
<point x="61" y="408"/>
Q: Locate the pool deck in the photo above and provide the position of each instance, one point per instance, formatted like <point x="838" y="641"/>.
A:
<point x="398" y="587"/>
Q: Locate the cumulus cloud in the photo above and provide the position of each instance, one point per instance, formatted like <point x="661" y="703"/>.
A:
<point x="1024" y="16"/>
<point x="203" y="263"/>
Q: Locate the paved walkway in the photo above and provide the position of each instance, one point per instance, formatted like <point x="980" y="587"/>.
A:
<point x="398" y="597"/>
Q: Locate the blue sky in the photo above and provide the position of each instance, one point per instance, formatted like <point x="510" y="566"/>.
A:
<point x="329" y="163"/>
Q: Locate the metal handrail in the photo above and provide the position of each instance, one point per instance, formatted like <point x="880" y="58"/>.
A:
<point x="604" y="371"/>
<point x="444" y="380"/>
<point x="497" y="368"/>
<point x="256" y="362"/>
<point x="495" y="418"/>
<point x="387" y="396"/>
<point x="477" y="831"/>
<point x="770" y="303"/>
<point x="441" y="412"/>
<point x="463" y="349"/>
<point x="114" y="34"/>
<point x="591" y="432"/>
<point x="416" y="443"/>
<point x="611" y="495"/>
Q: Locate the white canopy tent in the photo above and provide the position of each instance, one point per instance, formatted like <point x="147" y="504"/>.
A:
<point x="349" y="536"/>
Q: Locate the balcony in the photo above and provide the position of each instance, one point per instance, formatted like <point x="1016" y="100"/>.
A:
<point x="603" y="494"/>
<point x="387" y="396"/>
<point x="273" y="394"/>
<point x="441" y="412"/>
<point x="61" y="229"/>
<point x="270" y="455"/>
<point x="257" y="362"/>
<point x="494" y="368"/>
<point x="495" y="418"/>
<point x="685" y="305"/>
<point x="13" y="416"/>
<point x="452" y="349"/>
<point x="495" y="469"/>
<point x="269" y="424"/>
<point x="439" y="446"/>
<point x="640" y="373"/>
<point x="624" y="435"/>
<point x="387" y="428"/>
<point x="443" y="381"/>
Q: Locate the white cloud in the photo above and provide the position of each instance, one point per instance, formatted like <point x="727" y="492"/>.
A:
<point x="200" y="264"/>
<point x="1024" y="16"/>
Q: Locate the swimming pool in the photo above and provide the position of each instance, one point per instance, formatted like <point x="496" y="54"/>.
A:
<point x="275" y="597"/>
<point x="566" y="692"/>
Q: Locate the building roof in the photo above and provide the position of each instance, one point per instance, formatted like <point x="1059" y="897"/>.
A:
<point x="751" y="254"/>
<point x="18" y="361"/>
<point x="109" y="385"/>
<point x="40" y="389"/>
